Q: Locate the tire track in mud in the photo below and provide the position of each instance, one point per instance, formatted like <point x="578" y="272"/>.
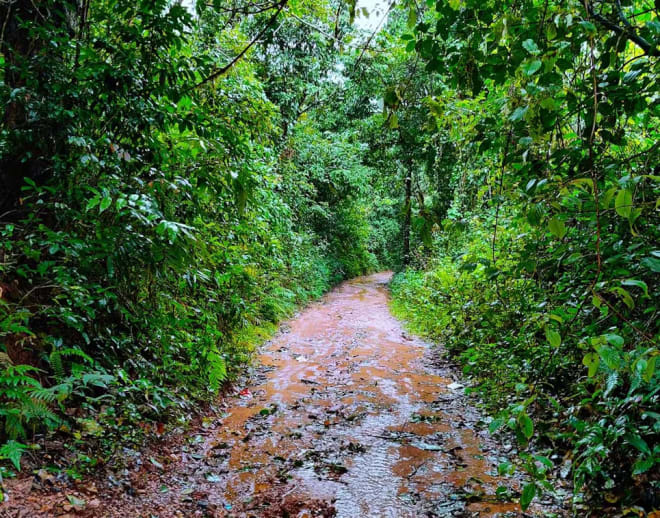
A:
<point x="345" y="416"/>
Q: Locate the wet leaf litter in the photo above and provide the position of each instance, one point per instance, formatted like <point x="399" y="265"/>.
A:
<point x="345" y="415"/>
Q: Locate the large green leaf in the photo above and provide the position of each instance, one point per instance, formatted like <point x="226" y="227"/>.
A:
<point x="553" y="337"/>
<point x="591" y="361"/>
<point x="531" y="67"/>
<point x="623" y="203"/>
<point x="557" y="227"/>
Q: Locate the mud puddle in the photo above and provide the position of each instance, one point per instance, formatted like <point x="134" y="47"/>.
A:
<point x="345" y="416"/>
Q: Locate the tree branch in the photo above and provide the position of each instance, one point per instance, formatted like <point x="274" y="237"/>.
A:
<point x="244" y="10"/>
<point x="222" y="71"/>
<point x="627" y="32"/>
<point x="314" y="27"/>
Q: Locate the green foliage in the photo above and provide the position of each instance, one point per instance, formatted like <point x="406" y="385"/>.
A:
<point x="13" y="450"/>
<point x="541" y="280"/>
<point x="27" y="402"/>
<point x="156" y="223"/>
<point x="172" y="185"/>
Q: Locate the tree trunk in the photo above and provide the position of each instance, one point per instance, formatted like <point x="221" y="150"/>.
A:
<point x="407" y="216"/>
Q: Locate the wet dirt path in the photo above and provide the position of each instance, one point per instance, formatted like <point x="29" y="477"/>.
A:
<point x="345" y="416"/>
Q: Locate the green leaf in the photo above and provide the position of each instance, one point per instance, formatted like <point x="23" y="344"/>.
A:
<point x="588" y="26"/>
<point x="528" y="494"/>
<point x="623" y="203"/>
<point x="495" y="424"/>
<point x="105" y="203"/>
<point x="553" y="337"/>
<point x="650" y="369"/>
<point x="526" y="425"/>
<point x="505" y="468"/>
<point x="638" y="284"/>
<point x="544" y="460"/>
<point x="643" y="465"/>
<point x="531" y="67"/>
<point x="639" y="443"/>
<point x="518" y="114"/>
<point x="557" y="227"/>
<point x="607" y="197"/>
<point x="75" y="501"/>
<point x="610" y="356"/>
<point x="93" y="202"/>
<point x="625" y="296"/>
<point x="531" y="47"/>
<point x="184" y="103"/>
<point x="549" y="104"/>
<point x="652" y="263"/>
<point x="591" y="361"/>
<point x="13" y="450"/>
<point x="412" y="16"/>
<point x="587" y="183"/>
<point x="614" y="339"/>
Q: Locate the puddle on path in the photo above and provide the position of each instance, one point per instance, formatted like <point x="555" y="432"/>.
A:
<point x="346" y="417"/>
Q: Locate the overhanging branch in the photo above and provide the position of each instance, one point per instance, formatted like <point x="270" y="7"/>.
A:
<point x="628" y="31"/>
<point x="222" y="71"/>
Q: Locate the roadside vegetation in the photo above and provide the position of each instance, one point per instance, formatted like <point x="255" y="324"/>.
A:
<point x="540" y="275"/>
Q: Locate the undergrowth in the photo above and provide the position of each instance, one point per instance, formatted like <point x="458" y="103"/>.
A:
<point x="598" y="421"/>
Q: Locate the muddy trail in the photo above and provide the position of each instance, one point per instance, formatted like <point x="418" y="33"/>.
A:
<point x="345" y="415"/>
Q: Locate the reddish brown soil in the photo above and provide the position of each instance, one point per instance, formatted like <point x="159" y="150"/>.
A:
<point x="345" y="416"/>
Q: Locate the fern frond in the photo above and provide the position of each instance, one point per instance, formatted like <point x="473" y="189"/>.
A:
<point x="612" y="382"/>
<point x="55" y="360"/>
<point x="217" y="369"/>
<point x="39" y="410"/>
<point x="51" y="394"/>
<point x="14" y="425"/>
<point x="56" y="356"/>
<point x="74" y="351"/>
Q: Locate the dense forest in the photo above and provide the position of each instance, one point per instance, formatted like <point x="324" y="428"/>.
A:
<point x="178" y="179"/>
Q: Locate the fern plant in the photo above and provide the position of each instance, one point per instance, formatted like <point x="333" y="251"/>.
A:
<point x="27" y="402"/>
<point x="27" y="405"/>
<point x="55" y="358"/>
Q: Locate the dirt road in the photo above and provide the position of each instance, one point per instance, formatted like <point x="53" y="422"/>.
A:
<point x="345" y="416"/>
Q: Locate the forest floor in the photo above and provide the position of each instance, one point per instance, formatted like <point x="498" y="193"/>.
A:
<point x="344" y="414"/>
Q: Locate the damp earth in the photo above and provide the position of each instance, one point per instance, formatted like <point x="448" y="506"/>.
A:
<point x="345" y="414"/>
